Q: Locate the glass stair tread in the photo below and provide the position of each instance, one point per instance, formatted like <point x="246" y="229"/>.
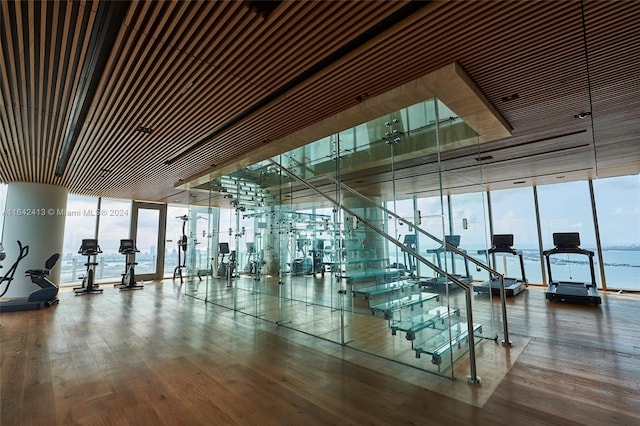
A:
<point x="384" y="288"/>
<point x="373" y="273"/>
<point x="424" y="319"/>
<point x="403" y="302"/>
<point x="366" y="260"/>
<point x="439" y="344"/>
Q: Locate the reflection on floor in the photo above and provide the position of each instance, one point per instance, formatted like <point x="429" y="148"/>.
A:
<point x="312" y="304"/>
<point x="157" y="357"/>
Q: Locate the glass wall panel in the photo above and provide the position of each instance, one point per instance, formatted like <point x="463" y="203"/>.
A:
<point x="323" y="234"/>
<point x="80" y="223"/>
<point x="174" y="234"/>
<point x="433" y="214"/>
<point x="469" y="221"/>
<point x="618" y="208"/>
<point x="513" y="212"/>
<point x="146" y="240"/>
<point x="566" y="207"/>
<point x="403" y="233"/>
<point x="115" y="216"/>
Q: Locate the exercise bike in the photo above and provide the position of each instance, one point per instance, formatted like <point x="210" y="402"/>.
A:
<point x="45" y="296"/>
<point x="129" y="250"/>
<point x="89" y="248"/>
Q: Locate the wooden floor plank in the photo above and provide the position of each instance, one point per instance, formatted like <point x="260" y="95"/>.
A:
<point x="156" y="356"/>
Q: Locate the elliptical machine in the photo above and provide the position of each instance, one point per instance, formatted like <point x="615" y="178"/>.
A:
<point x="129" y="249"/>
<point x="89" y="248"/>
<point x="182" y="249"/>
<point x="46" y="295"/>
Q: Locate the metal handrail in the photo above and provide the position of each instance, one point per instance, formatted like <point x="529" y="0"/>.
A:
<point x="450" y="247"/>
<point x="467" y="288"/>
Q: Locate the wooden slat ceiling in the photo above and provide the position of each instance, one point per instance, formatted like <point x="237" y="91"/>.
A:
<point x="214" y="80"/>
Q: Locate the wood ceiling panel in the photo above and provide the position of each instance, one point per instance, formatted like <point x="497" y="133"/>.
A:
<point x="43" y="45"/>
<point x="186" y="69"/>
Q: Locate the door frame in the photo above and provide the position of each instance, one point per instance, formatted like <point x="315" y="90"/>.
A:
<point x="160" y="244"/>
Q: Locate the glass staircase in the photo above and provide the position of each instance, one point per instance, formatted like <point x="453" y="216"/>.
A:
<point x="444" y="331"/>
<point x="422" y="308"/>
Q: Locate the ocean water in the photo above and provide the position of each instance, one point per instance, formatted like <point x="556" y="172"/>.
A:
<point x="622" y="268"/>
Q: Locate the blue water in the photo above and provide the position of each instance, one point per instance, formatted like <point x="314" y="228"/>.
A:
<point x="622" y="268"/>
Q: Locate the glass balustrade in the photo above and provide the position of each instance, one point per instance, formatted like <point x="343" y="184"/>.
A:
<point x="329" y="239"/>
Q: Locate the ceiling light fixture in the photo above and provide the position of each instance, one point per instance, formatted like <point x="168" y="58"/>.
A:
<point x="510" y="97"/>
<point x="582" y="115"/>
<point x="144" y="129"/>
<point x="362" y="97"/>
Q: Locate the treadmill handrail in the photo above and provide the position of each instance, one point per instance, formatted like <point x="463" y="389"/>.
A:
<point x="501" y="250"/>
<point x="568" y="250"/>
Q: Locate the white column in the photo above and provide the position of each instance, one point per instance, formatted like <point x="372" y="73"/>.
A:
<point x="35" y="215"/>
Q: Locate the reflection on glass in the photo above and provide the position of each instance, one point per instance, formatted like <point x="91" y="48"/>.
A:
<point x="434" y="218"/>
<point x="618" y="207"/>
<point x="173" y="233"/>
<point x="469" y="222"/>
<point x="147" y="240"/>
<point x="80" y="223"/>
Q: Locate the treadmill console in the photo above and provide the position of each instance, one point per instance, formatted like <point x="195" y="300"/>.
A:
<point x="502" y="241"/>
<point x="566" y="240"/>
<point x="453" y="240"/>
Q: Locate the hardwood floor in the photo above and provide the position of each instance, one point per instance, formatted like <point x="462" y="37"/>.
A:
<point x="154" y="356"/>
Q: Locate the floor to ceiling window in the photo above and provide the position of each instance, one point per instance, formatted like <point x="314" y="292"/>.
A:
<point x="80" y="224"/>
<point x="618" y="208"/>
<point x="513" y="212"/>
<point x="115" y="216"/>
<point x="566" y="207"/>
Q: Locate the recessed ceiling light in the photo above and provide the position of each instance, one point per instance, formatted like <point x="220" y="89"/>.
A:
<point x="510" y="97"/>
<point x="362" y="97"/>
<point x="144" y="129"/>
<point x="582" y="115"/>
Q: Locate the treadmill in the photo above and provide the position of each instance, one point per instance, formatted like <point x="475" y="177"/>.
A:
<point x="503" y="243"/>
<point x="569" y="291"/>
<point x="442" y="251"/>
